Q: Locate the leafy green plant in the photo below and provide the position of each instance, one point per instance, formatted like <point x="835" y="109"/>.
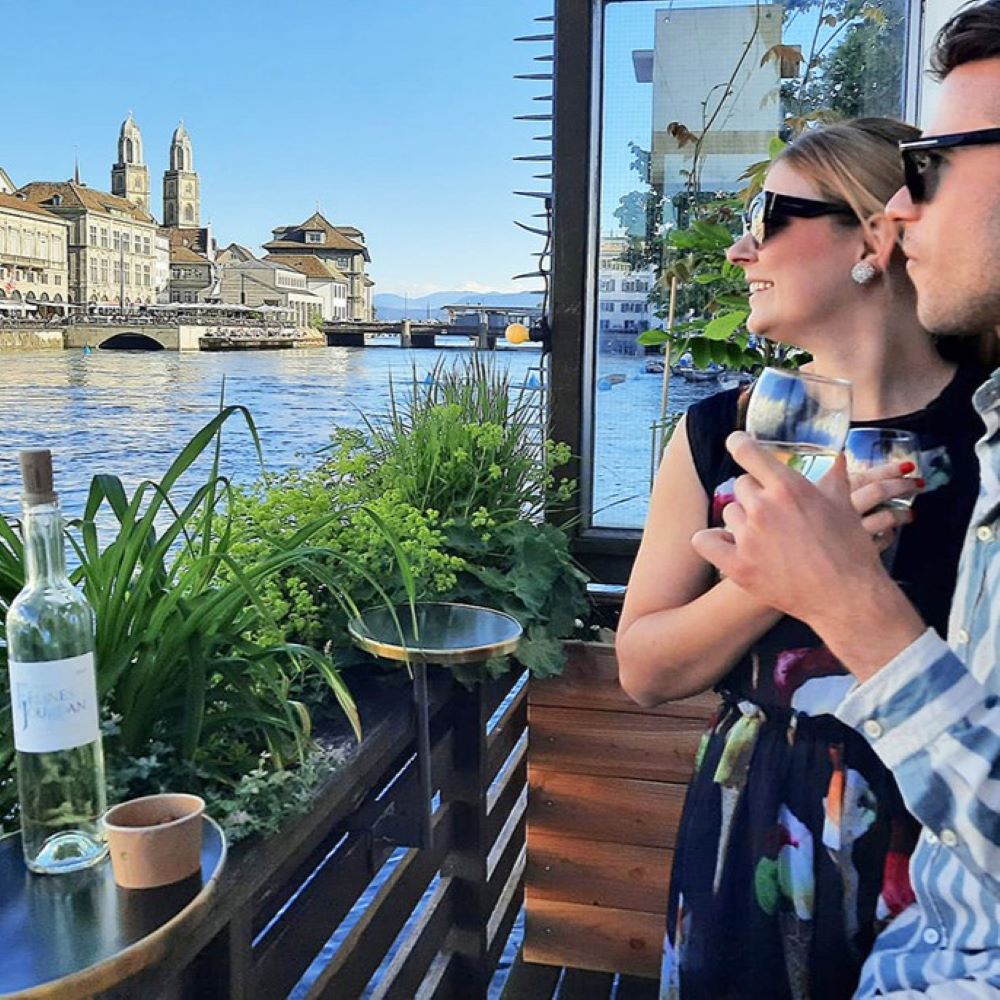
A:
<point x="459" y="472"/>
<point x="186" y="644"/>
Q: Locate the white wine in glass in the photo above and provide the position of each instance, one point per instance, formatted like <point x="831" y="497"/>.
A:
<point x="803" y="419"/>
<point x="867" y="447"/>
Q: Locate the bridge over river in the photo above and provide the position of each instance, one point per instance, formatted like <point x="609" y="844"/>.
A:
<point x="183" y="337"/>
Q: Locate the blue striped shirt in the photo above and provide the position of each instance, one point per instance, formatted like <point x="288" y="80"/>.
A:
<point x="933" y="716"/>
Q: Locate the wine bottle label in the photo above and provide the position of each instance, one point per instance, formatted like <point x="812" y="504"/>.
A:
<point x="54" y="704"/>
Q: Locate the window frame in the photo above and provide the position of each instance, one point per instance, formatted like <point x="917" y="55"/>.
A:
<point x="574" y="314"/>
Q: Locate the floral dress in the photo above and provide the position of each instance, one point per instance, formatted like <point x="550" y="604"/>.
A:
<point x="793" y="849"/>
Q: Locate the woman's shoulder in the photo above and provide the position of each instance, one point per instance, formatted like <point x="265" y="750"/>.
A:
<point x="717" y="409"/>
<point x="709" y="422"/>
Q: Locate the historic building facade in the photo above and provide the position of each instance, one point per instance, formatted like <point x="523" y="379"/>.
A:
<point x="130" y="175"/>
<point x="111" y="251"/>
<point x="343" y="246"/>
<point x="33" y="261"/>
<point x="267" y="283"/>
<point x="181" y="194"/>
<point x="324" y="278"/>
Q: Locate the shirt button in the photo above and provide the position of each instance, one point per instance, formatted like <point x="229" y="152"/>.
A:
<point x="949" y="838"/>
<point x="984" y="533"/>
<point x="930" y="836"/>
<point x="872" y="729"/>
<point x="931" y="936"/>
<point x="962" y="636"/>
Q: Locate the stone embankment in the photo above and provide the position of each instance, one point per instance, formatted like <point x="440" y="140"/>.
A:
<point x="31" y="340"/>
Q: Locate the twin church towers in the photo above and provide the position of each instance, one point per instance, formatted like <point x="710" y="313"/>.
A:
<point x="130" y="177"/>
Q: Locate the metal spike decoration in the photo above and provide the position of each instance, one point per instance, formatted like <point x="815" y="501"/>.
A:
<point x="544" y="227"/>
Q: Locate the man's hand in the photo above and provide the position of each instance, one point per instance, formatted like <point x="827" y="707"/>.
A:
<point x="802" y="549"/>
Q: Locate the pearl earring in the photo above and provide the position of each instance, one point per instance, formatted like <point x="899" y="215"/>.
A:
<point x="863" y="272"/>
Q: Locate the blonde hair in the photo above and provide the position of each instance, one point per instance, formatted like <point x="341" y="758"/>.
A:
<point x="855" y="162"/>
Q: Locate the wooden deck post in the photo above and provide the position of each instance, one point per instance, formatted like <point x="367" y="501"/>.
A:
<point x="466" y="863"/>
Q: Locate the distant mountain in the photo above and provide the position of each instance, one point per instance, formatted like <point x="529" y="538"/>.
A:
<point x="395" y="307"/>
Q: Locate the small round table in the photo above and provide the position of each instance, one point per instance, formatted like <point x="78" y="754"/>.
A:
<point x="433" y="632"/>
<point x="73" y="935"/>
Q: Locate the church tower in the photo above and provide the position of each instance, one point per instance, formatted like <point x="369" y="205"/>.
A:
<point x="181" y="198"/>
<point x="130" y="175"/>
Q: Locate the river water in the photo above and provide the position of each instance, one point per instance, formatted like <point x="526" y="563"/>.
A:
<point x="129" y="413"/>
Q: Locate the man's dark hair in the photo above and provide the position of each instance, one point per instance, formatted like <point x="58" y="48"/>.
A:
<point x="972" y="34"/>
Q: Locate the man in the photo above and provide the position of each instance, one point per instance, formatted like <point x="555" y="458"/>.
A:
<point x="931" y="712"/>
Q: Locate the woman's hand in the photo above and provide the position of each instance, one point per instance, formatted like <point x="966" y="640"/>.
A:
<point x="871" y="489"/>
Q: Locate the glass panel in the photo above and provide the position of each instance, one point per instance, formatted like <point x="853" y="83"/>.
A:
<point x="693" y="95"/>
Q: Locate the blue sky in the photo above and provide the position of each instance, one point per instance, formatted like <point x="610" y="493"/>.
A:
<point x="396" y="116"/>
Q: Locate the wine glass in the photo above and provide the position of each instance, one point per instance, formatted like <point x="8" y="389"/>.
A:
<point x="802" y="419"/>
<point x="870" y="446"/>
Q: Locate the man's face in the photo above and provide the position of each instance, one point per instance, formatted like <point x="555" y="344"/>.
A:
<point x="952" y="242"/>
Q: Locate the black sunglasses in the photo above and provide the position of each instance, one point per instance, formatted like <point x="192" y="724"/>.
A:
<point x="923" y="159"/>
<point x="769" y="212"/>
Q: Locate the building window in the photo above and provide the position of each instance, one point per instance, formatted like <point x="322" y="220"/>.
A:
<point x="126" y="243"/>
<point x="314" y="237"/>
<point x="607" y="307"/>
<point x="175" y="273"/>
<point x="104" y="272"/>
<point x="607" y="284"/>
<point x="117" y="272"/>
<point x="104" y="237"/>
<point x="145" y="245"/>
<point x="145" y="275"/>
<point x="116" y="240"/>
<point x="93" y="271"/>
<point x="128" y="273"/>
<point x="93" y="236"/>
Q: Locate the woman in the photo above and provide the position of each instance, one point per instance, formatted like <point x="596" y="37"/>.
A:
<point x="793" y="847"/>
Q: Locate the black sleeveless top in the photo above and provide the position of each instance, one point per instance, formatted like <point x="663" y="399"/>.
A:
<point x="779" y="667"/>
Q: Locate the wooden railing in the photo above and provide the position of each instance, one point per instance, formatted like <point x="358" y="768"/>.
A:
<point x="430" y="922"/>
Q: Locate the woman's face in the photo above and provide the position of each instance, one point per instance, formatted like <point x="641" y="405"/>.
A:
<point x="800" y="278"/>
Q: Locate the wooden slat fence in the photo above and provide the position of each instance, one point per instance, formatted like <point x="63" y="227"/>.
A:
<point x="433" y="924"/>
<point x="606" y="781"/>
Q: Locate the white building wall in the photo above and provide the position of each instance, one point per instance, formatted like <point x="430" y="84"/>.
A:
<point x="694" y="53"/>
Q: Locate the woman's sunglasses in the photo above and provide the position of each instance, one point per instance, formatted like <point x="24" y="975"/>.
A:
<point x="923" y="159"/>
<point x="769" y="212"/>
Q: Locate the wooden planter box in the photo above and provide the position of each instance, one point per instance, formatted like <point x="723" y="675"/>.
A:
<point x="606" y="785"/>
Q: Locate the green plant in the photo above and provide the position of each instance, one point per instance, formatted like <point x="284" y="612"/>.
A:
<point x="459" y="474"/>
<point x="187" y="652"/>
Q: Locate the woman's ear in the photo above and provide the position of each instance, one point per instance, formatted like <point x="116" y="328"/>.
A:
<point x="881" y="238"/>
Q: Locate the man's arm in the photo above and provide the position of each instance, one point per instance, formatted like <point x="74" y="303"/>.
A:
<point x="801" y="548"/>
<point x="938" y="730"/>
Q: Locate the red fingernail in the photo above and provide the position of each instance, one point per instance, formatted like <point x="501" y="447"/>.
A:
<point x="921" y="483"/>
<point x="905" y="468"/>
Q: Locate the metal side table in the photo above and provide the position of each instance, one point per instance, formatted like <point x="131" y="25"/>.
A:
<point x="438" y="633"/>
<point x="73" y="935"/>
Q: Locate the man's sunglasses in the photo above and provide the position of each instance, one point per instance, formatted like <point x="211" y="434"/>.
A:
<point x="923" y="159"/>
<point x="769" y="212"/>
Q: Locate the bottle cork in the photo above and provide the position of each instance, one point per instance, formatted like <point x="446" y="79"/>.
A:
<point x="36" y="475"/>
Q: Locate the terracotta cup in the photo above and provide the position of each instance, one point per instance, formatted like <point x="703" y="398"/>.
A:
<point x="155" y="840"/>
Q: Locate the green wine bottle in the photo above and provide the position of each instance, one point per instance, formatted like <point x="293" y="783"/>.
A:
<point x="53" y="692"/>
